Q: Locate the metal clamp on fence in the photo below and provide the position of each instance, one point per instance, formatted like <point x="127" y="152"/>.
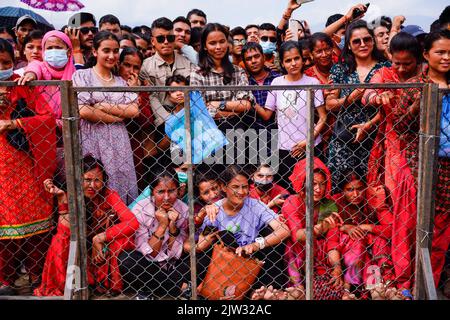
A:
<point x="70" y="118"/>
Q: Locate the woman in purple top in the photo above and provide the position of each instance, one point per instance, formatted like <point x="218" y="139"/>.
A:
<point x="290" y="106"/>
<point x="102" y="129"/>
<point x="152" y="269"/>
<point x="239" y="220"/>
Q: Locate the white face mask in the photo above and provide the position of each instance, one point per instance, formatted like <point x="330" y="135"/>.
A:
<point x="6" y="74"/>
<point x="57" y="58"/>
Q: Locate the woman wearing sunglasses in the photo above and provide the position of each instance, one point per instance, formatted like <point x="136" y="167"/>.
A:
<point x="355" y="127"/>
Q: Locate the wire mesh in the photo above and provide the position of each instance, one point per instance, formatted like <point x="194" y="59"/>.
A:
<point x="233" y="188"/>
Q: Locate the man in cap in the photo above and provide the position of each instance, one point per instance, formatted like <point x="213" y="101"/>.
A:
<point x="24" y="25"/>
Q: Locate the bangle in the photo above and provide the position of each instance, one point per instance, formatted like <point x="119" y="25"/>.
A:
<point x="159" y="238"/>
<point x="197" y="220"/>
<point x="63" y="207"/>
<point x="77" y="51"/>
<point x="175" y="234"/>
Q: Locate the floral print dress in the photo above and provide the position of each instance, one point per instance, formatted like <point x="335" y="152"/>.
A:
<point x="344" y="153"/>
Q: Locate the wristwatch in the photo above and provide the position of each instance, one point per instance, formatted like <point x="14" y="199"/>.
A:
<point x="262" y="242"/>
<point x="222" y="105"/>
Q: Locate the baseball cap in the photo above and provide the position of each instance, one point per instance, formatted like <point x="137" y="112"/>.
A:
<point x="413" y="30"/>
<point x="25" y="18"/>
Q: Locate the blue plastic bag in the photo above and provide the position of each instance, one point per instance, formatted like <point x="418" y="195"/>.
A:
<point x="444" y="144"/>
<point x="206" y="137"/>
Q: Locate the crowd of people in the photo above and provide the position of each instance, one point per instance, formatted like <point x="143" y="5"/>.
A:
<point x="366" y="154"/>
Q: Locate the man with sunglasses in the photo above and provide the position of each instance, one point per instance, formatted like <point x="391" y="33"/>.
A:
<point x="81" y="31"/>
<point x="268" y="40"/>
<point x="166" y="62"/>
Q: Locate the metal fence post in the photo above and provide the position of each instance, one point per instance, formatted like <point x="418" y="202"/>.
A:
<point x="72" y="157"/>
<point x="309" y="195"/>
<point x="429" y="140"/>
<point x="188" y="159"/>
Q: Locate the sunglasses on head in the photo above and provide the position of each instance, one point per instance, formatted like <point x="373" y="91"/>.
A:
<point x="358" y="42"/>
<point x="266" y="38"/>
<point x="85" y="30"/>
<point x="169" y="37"/>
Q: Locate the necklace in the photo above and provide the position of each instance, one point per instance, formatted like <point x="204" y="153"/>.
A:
<point x="106" y="80"/>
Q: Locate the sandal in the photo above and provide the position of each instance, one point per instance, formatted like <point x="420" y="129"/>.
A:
<point x="407" y="294"/>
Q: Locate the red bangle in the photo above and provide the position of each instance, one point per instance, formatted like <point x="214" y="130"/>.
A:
<point x="197" y="220"/>
<point x="63" y="207"/>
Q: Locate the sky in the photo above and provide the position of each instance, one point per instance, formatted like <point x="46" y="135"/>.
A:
<point x="243" y="12"/>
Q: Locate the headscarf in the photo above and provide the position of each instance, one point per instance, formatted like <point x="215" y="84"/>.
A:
<point x="298" y="176"/>
<point x="69" y="69"/>
<point x="44" y="71"/>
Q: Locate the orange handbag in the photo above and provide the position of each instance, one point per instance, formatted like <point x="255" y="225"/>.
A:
<point x="229" y="276"/>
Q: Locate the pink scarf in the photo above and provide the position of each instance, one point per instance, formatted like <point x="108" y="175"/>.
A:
<point x="44" y="71"/>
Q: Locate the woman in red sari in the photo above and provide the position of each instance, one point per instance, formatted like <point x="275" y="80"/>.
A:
<point x="393" y="159"/>
<point x="328" y="276"/>
<point x="25" y="211"/>
<point x="365" y="234"/>
<point x="111" y="228"/>
<point x="437" y="54"/>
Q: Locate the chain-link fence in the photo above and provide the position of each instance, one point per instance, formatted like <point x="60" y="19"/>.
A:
<point x="299" y="198"/>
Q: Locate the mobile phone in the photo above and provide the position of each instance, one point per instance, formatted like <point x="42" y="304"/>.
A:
<point x="294" y="26"/>
<point x="303" y="1"/>
<point x="357" y="13"/>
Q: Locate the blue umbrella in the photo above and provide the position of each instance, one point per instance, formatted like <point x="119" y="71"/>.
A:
<point x="9" y="16"/>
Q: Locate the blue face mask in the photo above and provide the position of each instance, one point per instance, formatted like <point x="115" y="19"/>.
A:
<point x="182" y="177"/>
<point x="57" y="58"/>
<point x="268" y="47"/>
<point x="342" y="43"/>
<point x="6" y="74"/>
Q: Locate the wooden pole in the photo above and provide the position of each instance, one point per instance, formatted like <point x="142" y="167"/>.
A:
<point x="427" y="177"/>
<point x="309" y="195"/>
<point x="72" y="157"/>
<point x="190" y="182"/>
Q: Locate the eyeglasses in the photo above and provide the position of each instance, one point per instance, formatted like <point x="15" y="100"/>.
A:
<point x="161" y="39"/>
<point x="266" y="38"/>
<point x="238" y="42"/>
<point x="85" y="30"/>
<point x="360" y="41"/>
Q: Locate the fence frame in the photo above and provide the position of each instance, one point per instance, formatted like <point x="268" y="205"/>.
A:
<point x="425" y="214"/>
<point x="429" y="139"/>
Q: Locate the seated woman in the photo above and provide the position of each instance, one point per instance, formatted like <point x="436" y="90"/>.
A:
<point x="111" y="228"/>
<point x="266" y="190"/>
<point x="243" y="218"/>
<point x="328" y="277"/>
<point x="152" y="269"/>
<point x="366" y="231"/>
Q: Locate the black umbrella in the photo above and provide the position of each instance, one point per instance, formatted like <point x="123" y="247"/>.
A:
<point x="9" y="16"/>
